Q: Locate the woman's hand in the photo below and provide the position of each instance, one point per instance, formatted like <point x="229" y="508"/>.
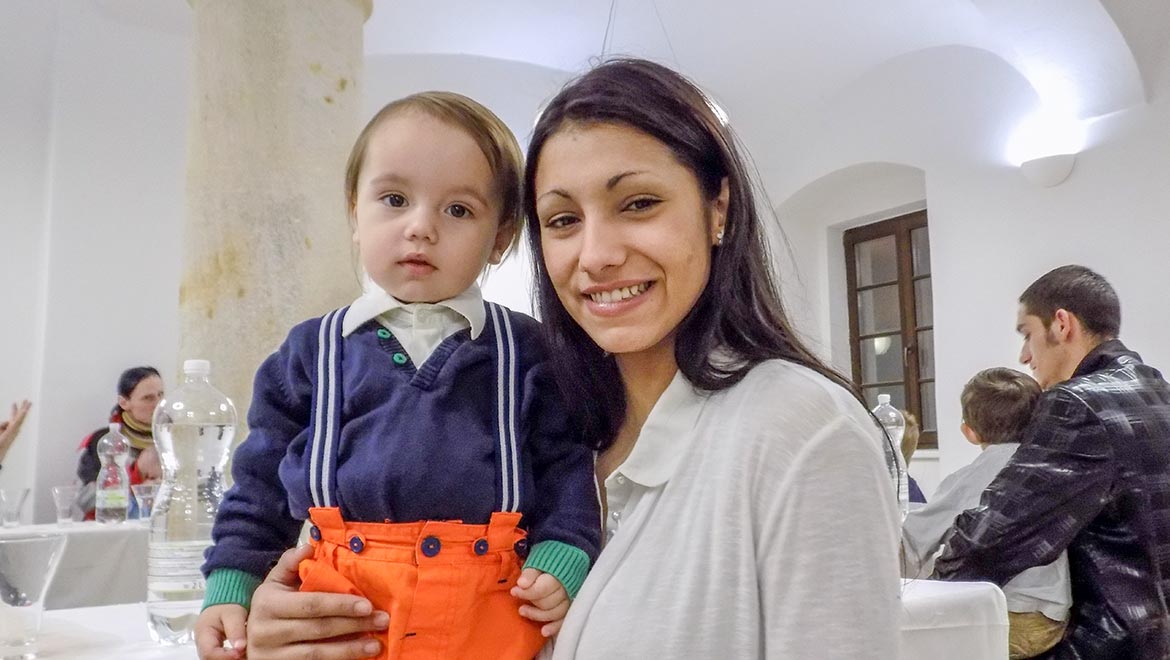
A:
<point x="286" y="624"/>
<point x="10" y="428"/>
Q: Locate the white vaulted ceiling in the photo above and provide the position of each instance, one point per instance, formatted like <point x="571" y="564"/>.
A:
<point x="788" y="72"/>
<point x="779" y="66"/>
<point x="793" y="54"/>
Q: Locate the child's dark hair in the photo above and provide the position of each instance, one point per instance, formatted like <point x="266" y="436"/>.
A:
<point x="998" y="404"/>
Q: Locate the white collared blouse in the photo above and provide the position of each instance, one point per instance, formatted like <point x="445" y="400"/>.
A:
<point x="756" y="522"/>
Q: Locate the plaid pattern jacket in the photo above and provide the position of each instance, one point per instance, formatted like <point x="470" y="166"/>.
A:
<point x="1092" y="475"/>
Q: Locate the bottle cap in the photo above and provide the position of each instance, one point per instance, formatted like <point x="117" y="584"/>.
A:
<point x="202" y="367"/>
<point x="115" y="427"/>
<point x="883" y="399"/>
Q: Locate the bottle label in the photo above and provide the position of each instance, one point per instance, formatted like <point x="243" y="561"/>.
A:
<point x="112" y="499"/>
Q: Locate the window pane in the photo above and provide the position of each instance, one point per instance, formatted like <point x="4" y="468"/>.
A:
<point x="929" y="422"/>
<point x="920" y="251"/>
<point x="897" y="395"/>
<point x="877" y="261"/>
<point x="923" y="303"/>
<point x="881" y="359"/>
<point x="926" y="354"/>
<point x="878" y="311"/>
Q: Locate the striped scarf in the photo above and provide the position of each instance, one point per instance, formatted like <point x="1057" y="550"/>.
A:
<point x="140" y="436"/>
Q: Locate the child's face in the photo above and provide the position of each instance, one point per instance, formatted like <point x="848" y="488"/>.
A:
<point x="426" y="215"/>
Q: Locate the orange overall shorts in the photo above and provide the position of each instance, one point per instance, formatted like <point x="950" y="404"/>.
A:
<point x="446" y="585"/>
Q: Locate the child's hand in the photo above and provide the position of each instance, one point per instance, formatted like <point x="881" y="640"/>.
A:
<point x="216" y="624"/>
<point x="548" y="598"/>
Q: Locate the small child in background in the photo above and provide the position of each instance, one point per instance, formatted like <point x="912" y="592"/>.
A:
<point x="909" y="445"/>
<point x="417" y="429"/>
<point x="997" y="406"/>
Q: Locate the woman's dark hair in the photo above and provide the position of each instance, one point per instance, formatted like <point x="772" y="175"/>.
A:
<point x="132" y="376"/>
<point x="739" y="310"/>
<point x="130" y="379"/>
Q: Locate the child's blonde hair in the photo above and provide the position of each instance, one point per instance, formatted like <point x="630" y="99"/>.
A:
<point x="494" y="138"/>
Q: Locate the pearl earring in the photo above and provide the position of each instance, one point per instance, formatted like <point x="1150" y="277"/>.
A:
<point x="719" y="238"/>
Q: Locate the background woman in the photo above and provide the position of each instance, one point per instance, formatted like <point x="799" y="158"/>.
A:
<point x="139" y="391"/>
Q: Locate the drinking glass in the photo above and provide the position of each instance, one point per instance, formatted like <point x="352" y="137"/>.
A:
<point x="27" y="565"/>
<point x="64" y="498"/>
<point x="144" y="496"/>
<point x="11" y="502"/>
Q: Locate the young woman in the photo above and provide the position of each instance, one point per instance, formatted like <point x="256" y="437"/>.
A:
<point x="748" y="508"/>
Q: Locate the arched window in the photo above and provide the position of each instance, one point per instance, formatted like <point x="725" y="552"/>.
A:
<point x="891" y="325"/>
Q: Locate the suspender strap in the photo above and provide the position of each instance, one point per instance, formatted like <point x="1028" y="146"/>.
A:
<point x="325" y="425"/>
<point x="506" y="390"/>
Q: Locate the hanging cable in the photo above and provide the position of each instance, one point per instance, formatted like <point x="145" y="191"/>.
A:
<point x="662" y="25"/>
<point x="608" y="28"/>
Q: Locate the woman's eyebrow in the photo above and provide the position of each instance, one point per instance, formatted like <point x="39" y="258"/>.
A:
<point x="615" y="179"/>
<point x="555" y="191"/>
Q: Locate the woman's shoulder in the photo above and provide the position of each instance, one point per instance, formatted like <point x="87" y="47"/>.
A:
<point x="784" y="380"/>
<point x="784" y="397"/>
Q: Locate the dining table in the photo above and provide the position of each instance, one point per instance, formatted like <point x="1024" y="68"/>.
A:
<point x="951" y="620"/>
<point x="102" y="563"/>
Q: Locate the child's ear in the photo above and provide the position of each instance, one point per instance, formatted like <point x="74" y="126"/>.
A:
<point x="970" y="434"/>
<point x="504" y="236"/>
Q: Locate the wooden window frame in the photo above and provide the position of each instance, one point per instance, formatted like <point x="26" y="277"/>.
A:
<point x="900" y="228"/>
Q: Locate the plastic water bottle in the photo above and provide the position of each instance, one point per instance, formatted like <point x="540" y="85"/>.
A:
<point x="193" y="429"/>
<point x="894" y="423"/>
<point x="113" y="482"/>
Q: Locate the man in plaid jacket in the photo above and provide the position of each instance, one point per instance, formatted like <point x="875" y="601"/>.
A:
<point x="1092" y="475"/>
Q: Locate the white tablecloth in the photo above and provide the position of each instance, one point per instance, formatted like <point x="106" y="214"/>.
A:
<point x="114" y="632"/>
<point x="101" y="565"/>
<point x="941" y="620"/>
<point x="953" y="620"/>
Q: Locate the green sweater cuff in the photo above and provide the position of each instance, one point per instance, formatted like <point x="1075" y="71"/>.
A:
<point x="566" y="563"/>
<point x="228" y="585"/>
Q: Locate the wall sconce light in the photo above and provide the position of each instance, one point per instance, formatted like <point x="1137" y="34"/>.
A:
<point x="1048" y="171"/>
<point x="1045" y="146"/>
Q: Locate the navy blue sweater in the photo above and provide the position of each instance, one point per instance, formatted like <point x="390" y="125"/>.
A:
<point x="415" y="444"/>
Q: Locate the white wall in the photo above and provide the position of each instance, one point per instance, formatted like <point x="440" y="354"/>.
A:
<point x="948" y="113"/>
<point x="93" y="124"/>
<point x="95" y="206"/>
<point x="27" y="37"/>
<point x="109" y="206"/>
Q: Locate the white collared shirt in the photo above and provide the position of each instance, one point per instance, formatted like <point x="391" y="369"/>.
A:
<point x="419" y="327"/>
<point x="1046" y="589"/>
<point x="755" y="522"/>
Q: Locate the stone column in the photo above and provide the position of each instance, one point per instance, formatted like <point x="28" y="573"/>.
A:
<point x="276" y="106"/>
